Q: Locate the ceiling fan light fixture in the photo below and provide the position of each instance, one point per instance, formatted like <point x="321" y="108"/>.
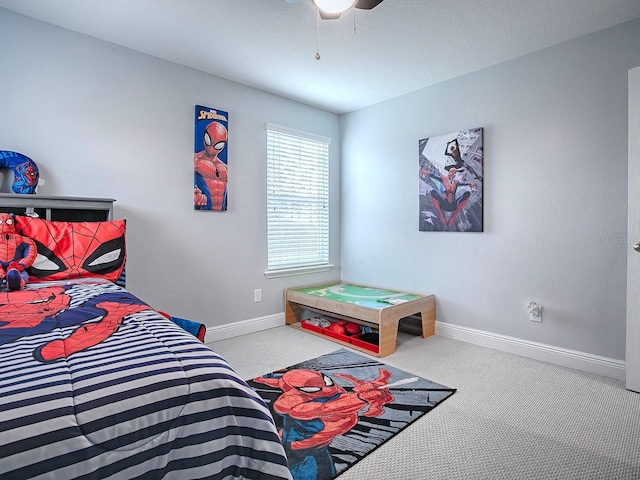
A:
<point x="334" y="6"/>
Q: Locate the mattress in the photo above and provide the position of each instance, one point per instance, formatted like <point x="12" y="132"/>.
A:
<point x="95" y="384"/>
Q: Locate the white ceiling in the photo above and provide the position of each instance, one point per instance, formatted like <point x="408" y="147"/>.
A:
<point x="398" y="47"/>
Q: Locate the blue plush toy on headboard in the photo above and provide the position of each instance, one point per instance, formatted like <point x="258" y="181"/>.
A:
<point x="25" y="171"/>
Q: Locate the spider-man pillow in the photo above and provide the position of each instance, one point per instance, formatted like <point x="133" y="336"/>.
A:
<point x="68" y="250"/>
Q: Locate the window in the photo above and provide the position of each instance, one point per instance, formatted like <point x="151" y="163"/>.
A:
<point x="297" y="202"/>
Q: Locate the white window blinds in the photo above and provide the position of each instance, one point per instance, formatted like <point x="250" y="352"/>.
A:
<point x="297" y="199"/>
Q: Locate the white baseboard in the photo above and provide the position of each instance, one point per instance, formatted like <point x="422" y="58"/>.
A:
<point x="243" y="327"/>
<point x="586" y="362"/>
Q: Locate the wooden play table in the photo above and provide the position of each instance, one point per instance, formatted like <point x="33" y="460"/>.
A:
<point x="380" y="308"/>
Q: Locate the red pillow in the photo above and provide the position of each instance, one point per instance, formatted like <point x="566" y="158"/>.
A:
<point x="68" y="250"/>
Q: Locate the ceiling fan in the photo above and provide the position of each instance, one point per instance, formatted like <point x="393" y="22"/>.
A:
<point x="331" y="9"/>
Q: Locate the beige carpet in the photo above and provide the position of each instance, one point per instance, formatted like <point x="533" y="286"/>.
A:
<point x="511" y="417"/>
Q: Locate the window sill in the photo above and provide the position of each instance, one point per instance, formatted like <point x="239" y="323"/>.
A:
<point x="288" y="272"/>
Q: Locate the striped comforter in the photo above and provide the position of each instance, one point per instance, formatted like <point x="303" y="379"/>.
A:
<point x="94" y="384"/>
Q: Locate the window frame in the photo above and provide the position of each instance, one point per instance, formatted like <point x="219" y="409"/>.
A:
<point x="279" y="268"/>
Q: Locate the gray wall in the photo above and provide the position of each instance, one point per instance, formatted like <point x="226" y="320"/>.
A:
<point x="100" y="120"/>
<point x="555" y="195"/>
<point x="104" y="121"/>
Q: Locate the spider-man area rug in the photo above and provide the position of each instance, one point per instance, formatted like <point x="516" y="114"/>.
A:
<point x="334" y="410"/>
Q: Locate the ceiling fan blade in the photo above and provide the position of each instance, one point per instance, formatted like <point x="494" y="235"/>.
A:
<point x="367" y="4"/>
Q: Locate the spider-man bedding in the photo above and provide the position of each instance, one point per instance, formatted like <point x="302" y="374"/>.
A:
<point x="95" y="384"/>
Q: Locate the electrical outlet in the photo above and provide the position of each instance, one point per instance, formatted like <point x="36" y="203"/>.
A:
<point x="535" y="312"/>
<point x="257" y="295"/>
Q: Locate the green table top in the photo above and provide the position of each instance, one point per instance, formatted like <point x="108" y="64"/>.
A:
<point x="369" y="297"/>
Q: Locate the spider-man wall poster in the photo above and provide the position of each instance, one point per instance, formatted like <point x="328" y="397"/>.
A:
<point x="210" y="159"/>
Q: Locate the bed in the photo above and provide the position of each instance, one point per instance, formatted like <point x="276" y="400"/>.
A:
<point x="96" y="384"/>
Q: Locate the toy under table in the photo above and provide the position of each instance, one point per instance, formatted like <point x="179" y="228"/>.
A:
<point x="378" y="308"/>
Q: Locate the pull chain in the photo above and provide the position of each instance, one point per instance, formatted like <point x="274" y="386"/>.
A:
<point x="317" y="41"/>
<point x="354" y="19"/>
